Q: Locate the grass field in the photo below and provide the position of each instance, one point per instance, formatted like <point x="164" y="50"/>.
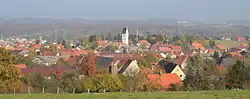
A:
<point x="230" y="44"/>
<point x="232" y="94"/>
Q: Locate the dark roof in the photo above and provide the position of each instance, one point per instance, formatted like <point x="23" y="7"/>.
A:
<point x="124" y="30"/>
<point x="45" y="71"/>
<point x="16" y="51"/>
<point x="104" y="61"/>
<point x="125" y="66"/>
<point x="167" y="66"/>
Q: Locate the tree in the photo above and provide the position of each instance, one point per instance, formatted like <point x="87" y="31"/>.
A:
<point x="211" y="43"/>
<point x="87" y="65"/>
<point x="35" y="81"/>
<point x="9" y="75"/>
<point x="216" y="56"/>
<point x="236" y="75"/>
<point x="92" y="38"/>
<point x="93" y="45"/>
<point x="110" y="37"/>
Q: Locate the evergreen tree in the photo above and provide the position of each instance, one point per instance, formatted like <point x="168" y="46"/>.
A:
<point x="236" y="75"/>
<point x="216" y="56"/>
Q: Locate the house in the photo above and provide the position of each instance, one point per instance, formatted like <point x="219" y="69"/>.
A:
<point x="240" y="38"/>
<point x="182" y="61"/>
<point x="130" y="68"/>
<point x="101" y="43"/>
<point x="59" y="46"/>
<point x="48" y="60"/>
<point x="164" y="80"/>
<point x="220" y="47"/>
<point x="36" y="46"/>
<point x="172" y="68"/>
<point x="20" y="66"/>
<point x="196" y="46"/>
<point x="114" y="65"/>
<point x="176" y="48"/>
<point x="50" y="54"/>
<point x="144" y="43"/>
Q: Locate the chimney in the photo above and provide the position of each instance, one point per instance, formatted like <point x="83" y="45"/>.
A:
<point x="160" y="73"/>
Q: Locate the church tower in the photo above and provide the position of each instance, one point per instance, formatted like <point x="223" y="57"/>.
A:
<point x="125" y="35"/>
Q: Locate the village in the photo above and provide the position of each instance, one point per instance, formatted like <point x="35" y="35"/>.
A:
<point x="165" y="64"/>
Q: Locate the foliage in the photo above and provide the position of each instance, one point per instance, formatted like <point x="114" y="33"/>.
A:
<point x="87" y="65"/>
<point x="202" y="75"/>
<point x="237" y="75"/>
<point x="70" y="81"/>
<point x="35" y="81"/>
<point x="211" y="43"/>
<point x="216" y="56"/>
<point x="9" y="75"/>
<point x="93" y="45"/>
<point x="92" y="38"/>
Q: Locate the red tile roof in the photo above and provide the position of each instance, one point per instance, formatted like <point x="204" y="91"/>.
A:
<point x="59" y="46"/>
<point x="178" y="48"/>
<point x="49" y="53"/>
<point x="144" y="42"/>
<point x="20" y="66"/>
<point x="164" y="49"/>
<point x="197" y="45"/>
<point x="102" y="43"/>
<point x="36" y="46"/>
<point x="221" y="47"/>
<point x="165" y="80"/>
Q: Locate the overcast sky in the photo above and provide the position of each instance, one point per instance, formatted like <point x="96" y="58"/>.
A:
<point x="197" y="10"/>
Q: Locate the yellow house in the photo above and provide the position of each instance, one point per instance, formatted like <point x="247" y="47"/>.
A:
<point x="173" y="68"/>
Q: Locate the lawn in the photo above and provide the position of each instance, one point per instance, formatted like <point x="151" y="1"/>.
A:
<point x="230" y="44"/>
<point x="232" y="94"/>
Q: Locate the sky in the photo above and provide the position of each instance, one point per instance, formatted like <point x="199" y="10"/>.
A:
<point x="196" y="10"/>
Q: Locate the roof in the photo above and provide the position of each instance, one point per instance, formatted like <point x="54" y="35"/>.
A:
<point x="37" y="46"/>
<point x="49" y="53"/>
<point x="221" y="47"/>
<point x="180" y="59"/>
<point x="125" y="66"/>
<point x="164" y="49"/>
<point x="197" y="45"/>
<point x="167" y="66"/>
<point x="104" y="61"/>
<point x="164" y="79"/>
<point x="176" y="47"/>
<point x="21" y="66"/>
<point x="144" y="42"/>
<point x="101" y="43"/>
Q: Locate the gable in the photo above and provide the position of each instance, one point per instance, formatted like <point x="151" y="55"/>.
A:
<point x="130" y="68"/>
<point x="177" y="70"/>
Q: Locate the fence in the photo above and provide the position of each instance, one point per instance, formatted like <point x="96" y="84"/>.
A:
<point x="30" y="90"/>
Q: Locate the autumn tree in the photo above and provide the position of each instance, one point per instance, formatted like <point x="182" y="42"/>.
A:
<point x="9" y="75"/>
<point x="87" y="65"/>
